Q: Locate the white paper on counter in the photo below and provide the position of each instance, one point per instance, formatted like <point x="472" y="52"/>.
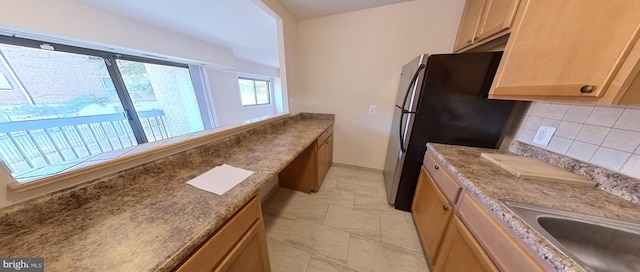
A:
<point x="220" y="179"/>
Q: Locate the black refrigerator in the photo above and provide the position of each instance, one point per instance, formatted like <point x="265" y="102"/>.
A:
<point x="441" y="99"/>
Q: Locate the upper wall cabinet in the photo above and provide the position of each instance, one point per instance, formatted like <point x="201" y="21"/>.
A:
<point x="572" y="51"/>
<point x="483" y="20"/>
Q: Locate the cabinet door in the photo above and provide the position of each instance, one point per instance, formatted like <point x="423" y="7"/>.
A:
<point x="461" y="252"/>
<point x="431" y="212"/>
<point x="325" y="156"/>
<point x="565" y="49"/>
<point x="250" y="254"/>
<point x="498" y="16"/>
<point x="469" y="23"/>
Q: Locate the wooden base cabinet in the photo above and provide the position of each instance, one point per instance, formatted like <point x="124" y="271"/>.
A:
<point x="431" y="213"/>
<point x="239" y="245"/>
<point x="457" y="233"/>
<point x="249" y="254"/>
<point x="461" y="252"/>
<point x="307" y="171"/>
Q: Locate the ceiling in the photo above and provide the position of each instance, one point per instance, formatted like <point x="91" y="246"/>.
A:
<point x="307" y="9"/>
<point x="239" y="25"/>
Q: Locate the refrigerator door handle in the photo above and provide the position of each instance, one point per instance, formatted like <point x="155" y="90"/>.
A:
<point x="413" y="81"/>
<point x="404" y="104"/>
<point x="402" y="113"/>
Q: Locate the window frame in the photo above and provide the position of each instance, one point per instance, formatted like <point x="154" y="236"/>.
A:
<point x="114" y="74"/>
<point x="255" y="92"/>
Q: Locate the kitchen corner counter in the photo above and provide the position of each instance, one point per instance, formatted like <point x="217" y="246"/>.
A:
<point x="147" y="218"/>
<point x="489" y="184"/>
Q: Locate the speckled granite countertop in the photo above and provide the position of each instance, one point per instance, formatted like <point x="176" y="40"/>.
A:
<point x="147" y="218"/>
<point x="489" y="184"/>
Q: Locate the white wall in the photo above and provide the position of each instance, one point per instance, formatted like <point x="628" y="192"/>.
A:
<point x="607" y="136"/>
<point x="226" y="98"/>
<point x="288" y="50"/>
<point x="73" y="19"/>
<point x="349" y="61"/>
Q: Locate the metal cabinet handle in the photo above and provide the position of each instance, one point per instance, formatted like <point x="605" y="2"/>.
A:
<point x="444" y="207"/>
<point x="587" y="89"/>
<point x="436" y="167"/>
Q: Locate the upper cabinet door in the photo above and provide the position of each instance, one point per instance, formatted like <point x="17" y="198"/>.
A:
<point x="573" y="51"/>
<point x="498" y="16"/>
<point x="469" y="23"/>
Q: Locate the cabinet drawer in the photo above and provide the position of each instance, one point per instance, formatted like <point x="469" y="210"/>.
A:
<point x="214" y="250"/>
<point x="449" y="187"/>
<point x="506" y="253"/>
<point x="324" y="136"/>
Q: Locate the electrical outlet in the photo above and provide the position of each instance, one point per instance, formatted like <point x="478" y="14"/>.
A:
<point x="372" y="109"/>
<point x="543" y="136"/>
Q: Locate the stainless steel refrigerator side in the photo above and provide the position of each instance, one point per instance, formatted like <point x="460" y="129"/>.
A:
<point x="402" y="124"/>
<point x="394" y="159"/>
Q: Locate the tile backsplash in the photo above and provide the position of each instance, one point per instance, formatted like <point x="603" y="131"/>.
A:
<point x="606" y="136"/>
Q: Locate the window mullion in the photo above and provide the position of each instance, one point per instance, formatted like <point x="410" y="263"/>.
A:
<point x="255" y="92"/>
<point x="130" y="111"/>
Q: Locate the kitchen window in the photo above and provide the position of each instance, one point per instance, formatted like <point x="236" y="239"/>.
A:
<point x="4" y="83"/>
<point x="254" y="92"/>
<point x="78" y="106"/>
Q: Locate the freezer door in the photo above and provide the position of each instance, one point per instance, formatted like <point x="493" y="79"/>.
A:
<point x="405" y="81"/>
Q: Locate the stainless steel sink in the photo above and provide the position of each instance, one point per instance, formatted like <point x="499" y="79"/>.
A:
<point x="595" y="243"/>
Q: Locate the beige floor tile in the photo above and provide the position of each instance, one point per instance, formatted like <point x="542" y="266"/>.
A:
<point x="336" y="196"/>
<point x="329" y="183"/>
<point x="277" y="224"/>
<point x="409" y="218"/>
<point x="298" y="204"/>
<point x="396" y="231"/>
<point x="368" y="255"/>
<point x="382" y="191"/>
<point x="343" y="172"/>
<point x="422" y="262"/>
<point x="370" y="176"/>
<point x="354" y="222"/>
<point x="318" y="264"/>
<point x="364" y="183"/>
<point x="364" y="199"/>
<point x="359" y="190"/>
<point x="395" y="218"/>
<point x="374" y="205"/>
<point x="320" y="240"/>
<point x="285" y="258"/>
<point x="300" y="225"/>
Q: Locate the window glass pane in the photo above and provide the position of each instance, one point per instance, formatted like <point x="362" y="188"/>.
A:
<point x="61" y="115"/>
<point x="247" y="92"/>
<point x="262" y="92"/>
<point x="4" y="82"/>
<point x="164" y="98"/>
